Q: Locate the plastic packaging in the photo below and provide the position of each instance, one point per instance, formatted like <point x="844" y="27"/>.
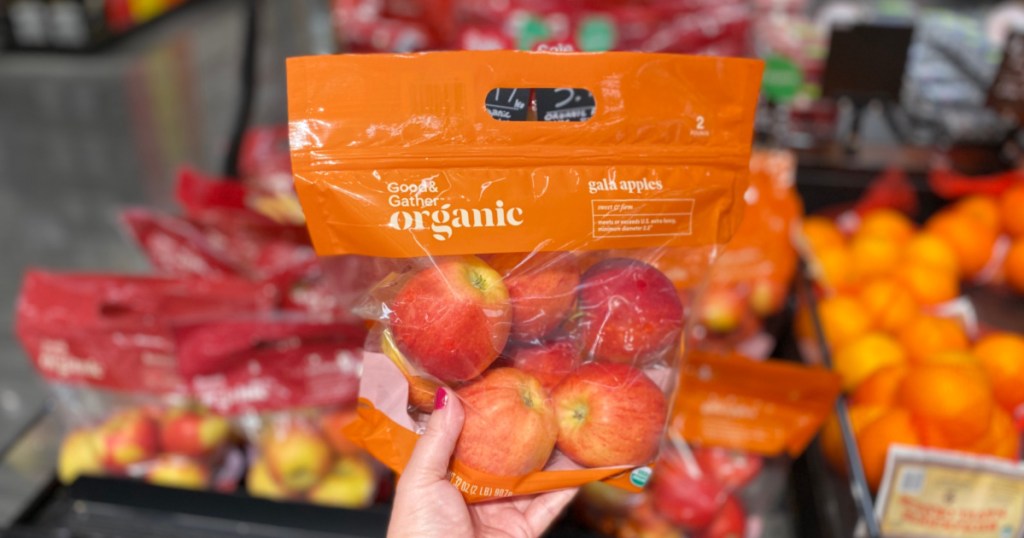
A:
<point x="106" y="347"/>
<point x="520" y="254"/>
<point x="291" y="385"/>
<point x="734" y="431"/>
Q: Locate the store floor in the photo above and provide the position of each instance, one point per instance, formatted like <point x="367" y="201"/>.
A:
<point x="84" y="135"/>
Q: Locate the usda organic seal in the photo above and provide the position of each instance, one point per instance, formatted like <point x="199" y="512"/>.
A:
<point x="640" y="476"/>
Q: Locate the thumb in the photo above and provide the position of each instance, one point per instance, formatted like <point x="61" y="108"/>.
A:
<point x="429" y="460"/>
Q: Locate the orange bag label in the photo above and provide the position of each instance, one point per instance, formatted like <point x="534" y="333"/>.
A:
<point x="397" y="156"/>
<point x="767" y="408"/>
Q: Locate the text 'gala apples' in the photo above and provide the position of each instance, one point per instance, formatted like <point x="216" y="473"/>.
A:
<point x="609" y="414"/>
<point x="542" y="290"/>
<point x="629" y="312"/>
<point x="452" y="319"/>
<point x="510" y="427"/>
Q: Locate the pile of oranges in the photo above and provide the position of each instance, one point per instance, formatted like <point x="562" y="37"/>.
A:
<point x="914" y="377"/>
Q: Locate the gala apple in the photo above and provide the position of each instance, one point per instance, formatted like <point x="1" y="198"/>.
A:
<point x="685" y="495"/>
<point x="351" y="483"/>
<point x="609" y="414"/>
<point x="79" y="455"/>
<point x="510" y="427"/>
<point x="629" y="312"/>
<point x="192" y="433"/>
<point x="128" y="437"/>
<point x="731" y="521"/>
<point x="259" y="482"/>
<point x="174" y="471"/>
<point x="452" y="319"/>
<point x="297" y="456"/>
<point x="721" y="309"/>
<point x="542" y="290"/>
<point x="549" y="362"/>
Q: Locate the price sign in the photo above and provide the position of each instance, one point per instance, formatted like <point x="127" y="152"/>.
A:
<point x="565" y="104"/>
<point x="1007" y="91"/>
<point x="508" y="104"/>
<point x="928" y="493"/>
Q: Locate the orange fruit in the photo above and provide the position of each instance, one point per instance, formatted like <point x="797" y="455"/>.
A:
<point x="856" y="360"/>
<point x="889" y="303"/>
<point x="832" y="435"/>
<point x="927" y="336"/>
<point x="834" y="264"/>
<point x="1001" y="355"/>
<point x="952" y="402"/>
<point x="821" y="232"/>
<point x="930" y="250"/>
<point x="984" y="209"/>
<point x="1001" y="439"/>
<point x="874" y="256"/>
<point x="894" y="426"/>
<point x="1013" y="265"/>
<point x="842" y="319"/>
<point x="953" y="357"/>
<point x="929" y="285"/>
<point x="1010" y="210"/>
<point x="971" y="240"/>
<point x="880" y="388"/>
<point x="887" y="223"/>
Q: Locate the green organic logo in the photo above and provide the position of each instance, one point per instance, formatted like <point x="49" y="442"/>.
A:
<point x="640" y="476"/>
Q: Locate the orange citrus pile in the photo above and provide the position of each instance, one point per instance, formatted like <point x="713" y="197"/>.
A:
<point x="913" y="377"/>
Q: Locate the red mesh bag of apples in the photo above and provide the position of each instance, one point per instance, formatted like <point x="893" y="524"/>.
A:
<point x="290" y="383"/>
<point x="521" y="255"/>
<point x="105" y="345"/>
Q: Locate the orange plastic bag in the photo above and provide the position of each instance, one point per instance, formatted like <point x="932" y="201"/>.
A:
<point x="520" y="252"/>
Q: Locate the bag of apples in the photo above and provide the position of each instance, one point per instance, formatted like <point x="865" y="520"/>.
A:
<point x="105" y="345"/>
<point x="521" y="253"/>
<point x="291" y="384"/>
<point x="733" y="433"/>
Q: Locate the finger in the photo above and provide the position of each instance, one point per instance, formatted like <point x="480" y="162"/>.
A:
<point x="546" y="507"/>
<point x="429" y="460"/>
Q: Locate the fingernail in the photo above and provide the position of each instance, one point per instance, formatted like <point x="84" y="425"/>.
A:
<point x="440" y="399"/>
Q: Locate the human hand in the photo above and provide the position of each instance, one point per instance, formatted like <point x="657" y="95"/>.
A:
<point x="427" y="505"/>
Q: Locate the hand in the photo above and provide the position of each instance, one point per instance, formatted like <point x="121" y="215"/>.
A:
<point x="427" y="505"/>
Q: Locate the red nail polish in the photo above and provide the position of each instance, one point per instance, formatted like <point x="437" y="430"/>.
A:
<point x="440" y="399"/>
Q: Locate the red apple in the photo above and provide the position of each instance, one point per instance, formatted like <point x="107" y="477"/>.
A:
<point x="721" y="309"/>
<point x="549" y="362"/>
<point x="452" y="319"/>
<point x="732" y="468"/>
<point x="79" y="455"/>
<point x="297" y="456"/>
<point x="630" y="312"/>
<point x="609" y="414"/>
<point x="128" y="437"/>
<point x="542" y="290"/>
<point x="173" y="471"/>
<point x="192" y="433"/>
<point x="731" y="521"/>
<point x="510" y="427"/>
<point x="259" y="482"/>
<point x="685" y="495"/>
<point x="350" y="484"/>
